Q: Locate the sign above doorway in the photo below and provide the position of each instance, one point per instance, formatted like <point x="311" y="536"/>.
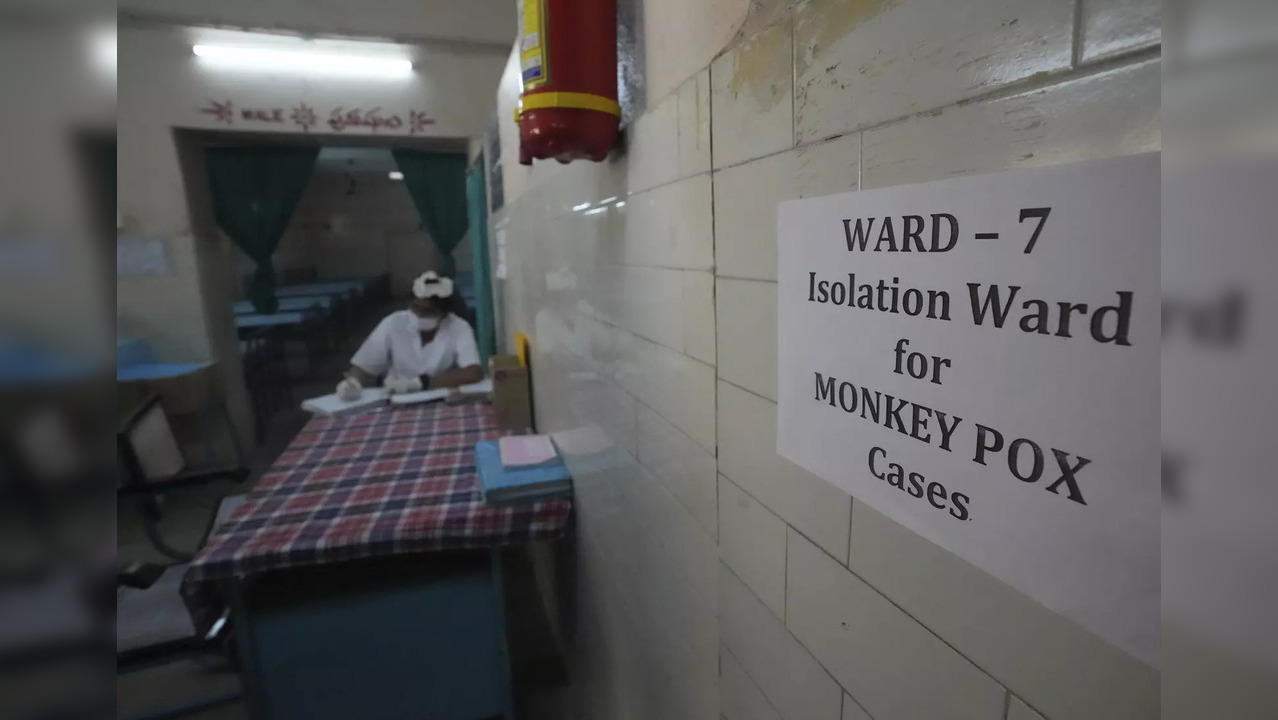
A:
<point x="304" y="117"/>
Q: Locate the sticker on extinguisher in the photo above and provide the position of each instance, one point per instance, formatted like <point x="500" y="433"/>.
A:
<point x="532" y="43"/>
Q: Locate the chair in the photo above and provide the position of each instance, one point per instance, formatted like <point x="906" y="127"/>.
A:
<point x="152" y="465"/>
<point x="152" y="624"/>
<point x="151" y="619"/>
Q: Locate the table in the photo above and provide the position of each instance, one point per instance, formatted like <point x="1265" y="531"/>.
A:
<point x="133" y="352"/>
<point x="158" y="370"/>
<point x="396" y="483"/>
<point x="187" y="389"/>
<point x="339" y="287"/>
<point x="244" y="307"/>
<point x="275" y="319"/>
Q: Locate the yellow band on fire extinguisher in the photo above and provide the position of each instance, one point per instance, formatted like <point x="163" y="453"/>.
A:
<point x="574" y="100"/>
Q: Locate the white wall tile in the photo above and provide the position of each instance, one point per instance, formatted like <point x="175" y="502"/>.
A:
<point x="1112" y="26"/>
<point x="1018" y="710"/>
<point x="853" y="711"/>
<point x="739" y="697"/>
<point x="1203" y="679"/>
<point x="636" y="369"/>
<point x="607" y="295"/>
<point x="684" y="467"/>
<point x="1113" y="113"/>
<point x="694" y="124"/>
<point x="648" y="596"/>
<point x="747" y="315"/>
<point x="895" y="667"/>
<point x="683" y="392"/>
<point x="999" y="628"/>
<point x="791" y="679"/>
<point x="671" y="226"/>
<point x="682" y="37"/>
<point x="659" y="127"/>
<point x="652" y="305"/>
<point x="829" y="167"/>
<point x="672" y="140"/>
<point x="745" y="215"/>
<point x="746" y="197"/>
<point x="863" y="63"/>
<point x="605" y="404"/>
<point x="752" y="97"/>
<point x="747" y="455"/>
<point x="752" y="544"/>
<point x="699" y="315"/>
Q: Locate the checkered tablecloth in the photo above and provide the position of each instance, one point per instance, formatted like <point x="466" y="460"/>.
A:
<point x="401" y="480"/>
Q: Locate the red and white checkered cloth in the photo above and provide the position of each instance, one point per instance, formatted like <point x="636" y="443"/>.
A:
<point x="357" y="486"/>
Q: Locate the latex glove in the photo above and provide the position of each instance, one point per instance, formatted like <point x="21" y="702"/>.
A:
<point x="399" y="385"/>
<point x="349" y="389"/>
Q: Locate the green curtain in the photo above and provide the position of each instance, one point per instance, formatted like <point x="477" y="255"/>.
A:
<point x="255" y="190"/>
<point x="437" y="184"/>
<point x="477" y="201"/>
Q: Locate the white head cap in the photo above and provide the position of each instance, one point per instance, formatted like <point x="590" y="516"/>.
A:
<point x="429" y="284"/>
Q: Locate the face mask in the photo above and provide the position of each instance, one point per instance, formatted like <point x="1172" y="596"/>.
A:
<point x="426" y="324"/>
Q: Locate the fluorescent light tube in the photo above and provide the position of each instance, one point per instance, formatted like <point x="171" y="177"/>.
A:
<point x="302" y="61"/>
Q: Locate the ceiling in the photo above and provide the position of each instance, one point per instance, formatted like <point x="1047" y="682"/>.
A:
<point x="483" y="24"/>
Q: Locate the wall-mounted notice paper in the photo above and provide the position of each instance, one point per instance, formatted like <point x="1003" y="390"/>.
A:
<point x="977" y="359"/>
<point x="142" y="257"/>
<point x="502" y="271"/>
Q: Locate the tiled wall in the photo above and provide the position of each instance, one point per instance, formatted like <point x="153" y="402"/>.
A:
<point x="715" y="578"/>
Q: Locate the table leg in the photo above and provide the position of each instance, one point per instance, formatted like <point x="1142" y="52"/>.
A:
<point x="499" y="589"/>
<point x="250" y="678"/>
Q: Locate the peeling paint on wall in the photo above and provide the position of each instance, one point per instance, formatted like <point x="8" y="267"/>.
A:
<point x="755" y="71"/>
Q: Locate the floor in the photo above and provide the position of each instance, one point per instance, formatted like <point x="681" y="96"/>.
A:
<point x="539" y="694"/>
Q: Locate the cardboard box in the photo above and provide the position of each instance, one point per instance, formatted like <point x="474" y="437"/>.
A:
<point x="512" y="393"/>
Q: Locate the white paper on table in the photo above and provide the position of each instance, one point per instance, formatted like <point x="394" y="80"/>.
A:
<point x="479" y="388"/>
<point x="331" y="404"/>
<point x="423" y="396"/>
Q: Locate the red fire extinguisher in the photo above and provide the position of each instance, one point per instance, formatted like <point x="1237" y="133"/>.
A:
<point x="568" y="60"/>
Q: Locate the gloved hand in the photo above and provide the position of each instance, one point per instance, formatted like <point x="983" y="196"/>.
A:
<point x="349" y="389"/>
<point x="399" y="385"/>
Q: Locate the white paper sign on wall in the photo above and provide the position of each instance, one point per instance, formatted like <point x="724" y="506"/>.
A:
<point x="142" y="257"/>
<point x="977" y="359"/>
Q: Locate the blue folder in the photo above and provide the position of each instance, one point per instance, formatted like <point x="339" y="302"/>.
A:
<point x="502" y="486"/>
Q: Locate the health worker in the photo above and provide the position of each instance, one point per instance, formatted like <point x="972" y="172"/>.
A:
<point x="422" y="347"/>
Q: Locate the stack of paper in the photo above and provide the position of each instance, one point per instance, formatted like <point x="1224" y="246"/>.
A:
<point x="331" y="404"/>
<point x="506" y="486"/>
<point x="527" y="451"/>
